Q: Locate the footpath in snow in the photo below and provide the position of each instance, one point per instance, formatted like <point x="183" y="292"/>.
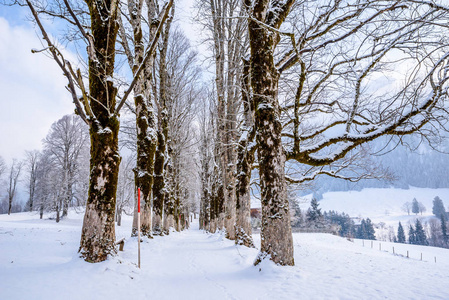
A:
<point x="39" y="260"/>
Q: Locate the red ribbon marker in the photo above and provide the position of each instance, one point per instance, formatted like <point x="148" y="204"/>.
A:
<point x="138" y="200"/>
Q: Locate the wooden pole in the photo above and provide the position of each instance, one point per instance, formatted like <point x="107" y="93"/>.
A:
<point x="138" y="227"/>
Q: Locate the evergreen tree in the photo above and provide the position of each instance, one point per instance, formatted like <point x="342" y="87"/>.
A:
<point x="420" y="235"/>
<point x="411" y="235"/>
<point x="342" y="220"/>
<point x="369" y="230"/>
<point x="297" y="219"/>
<point x="361" y="230"/>
<point x="314" y="215"/>
<point x="415" y="206"/>
<point x="401" y="234"/>
<point x="438" y="207"/>
<point x="444" y="230"/>
<point x="365" y="230"/>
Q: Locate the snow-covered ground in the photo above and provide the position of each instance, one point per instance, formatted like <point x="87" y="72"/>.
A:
<point x="39" y="260"/>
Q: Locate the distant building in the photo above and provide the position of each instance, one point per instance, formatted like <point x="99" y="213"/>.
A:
<point x="256" y="213"/>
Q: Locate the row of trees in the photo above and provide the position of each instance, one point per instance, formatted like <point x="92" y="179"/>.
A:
<point x="307" y="87"/>
<point x="165" y="88"/>
<point x="295" y="95"/>
<point x="434" y="233"/>
<point x="416" y="207"/>
<point x="7" y="204"/>
<point x="55" y="178"/>
<point x="416" y="236"/>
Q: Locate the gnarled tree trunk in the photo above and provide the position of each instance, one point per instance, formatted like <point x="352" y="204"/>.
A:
<point x="276" y="235"/>
<point x="98" y="232"/>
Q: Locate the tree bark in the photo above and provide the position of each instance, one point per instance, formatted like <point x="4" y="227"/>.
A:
<point x="162" y="135"/>
<point x="145" y="119"/>
<point x="244" y="164"/>
<point x="98" y="232"/>
<point x="276" y="235"/>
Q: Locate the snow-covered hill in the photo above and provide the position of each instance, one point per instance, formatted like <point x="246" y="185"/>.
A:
<point x="39" y="260"/>
<point x="378" y="204"/>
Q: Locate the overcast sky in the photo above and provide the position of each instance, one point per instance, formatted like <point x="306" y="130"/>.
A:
<point x="33" y="94"/>
<point x="32" y="91"/>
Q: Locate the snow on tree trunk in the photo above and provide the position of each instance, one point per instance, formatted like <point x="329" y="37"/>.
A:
<point x="243" y="198"/>
<point x="244" y="163"/>
<point x="145" y="120"/>
<point x="276" y="235"/>
<point x="169" y="204"/>
<point x="162" y="135"/>
<point x="98" y="232"/>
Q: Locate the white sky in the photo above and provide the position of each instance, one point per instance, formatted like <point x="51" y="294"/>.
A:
<point x="32" y="91"/>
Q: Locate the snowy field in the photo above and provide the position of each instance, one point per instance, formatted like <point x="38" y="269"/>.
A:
<point x="39" y="260"/>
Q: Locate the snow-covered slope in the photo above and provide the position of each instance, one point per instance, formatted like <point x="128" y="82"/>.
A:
<point x="39" y="260"/>
<point x="378" y="204"/>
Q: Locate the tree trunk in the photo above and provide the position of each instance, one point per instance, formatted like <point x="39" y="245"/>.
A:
<point x="58" y="213"/>
<point x="41" y="211"/>
<point x="145" y="119"/>
<point x="162" y="135"/>
<point x="98" y="232"/>
<point x="169" y="198"/>
<point x="244" y="163"/>
<point x="243" y="205"/>
<point x="119" y="216"/>
<point x="9" y="206"/>
<point x="158" y="187"/>
<point x="276" y="235"/>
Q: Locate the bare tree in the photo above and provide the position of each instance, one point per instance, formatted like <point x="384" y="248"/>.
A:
<point x="98" y="107"/>
<point x="47" y="185"/>
<point x="183" y="89"/>
<point x="205" y="162"/>
<point x="13" y="179"/>
<point x="31" y="163"/>
<point x="407" y="207"/>
<point x="146" y="123"/>
<point x="66" y="140"/>
<point x="3" y="166"/>
<point x="313" y="92"/>
<point x="159" y="194"/>
<point x="227" y="30"/>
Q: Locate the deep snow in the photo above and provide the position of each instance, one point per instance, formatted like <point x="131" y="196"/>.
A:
<point x="39" y="260"/>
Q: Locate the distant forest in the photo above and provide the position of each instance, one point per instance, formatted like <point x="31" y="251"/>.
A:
<point x="411" y="163"/>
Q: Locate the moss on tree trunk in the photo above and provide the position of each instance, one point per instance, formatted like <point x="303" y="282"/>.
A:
<point x="276" y="235"/>
<point x="98" y="232"/>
